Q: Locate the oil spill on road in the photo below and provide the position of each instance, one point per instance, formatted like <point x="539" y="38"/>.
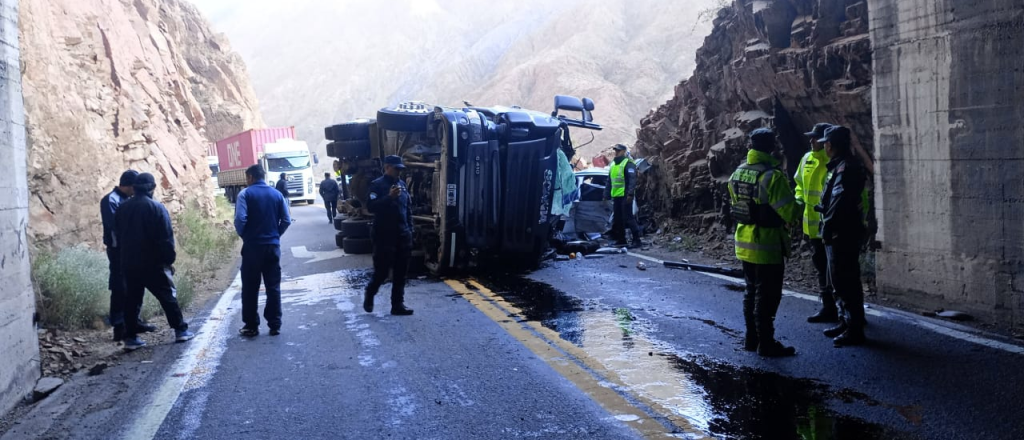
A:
<point x="725" y="401"/>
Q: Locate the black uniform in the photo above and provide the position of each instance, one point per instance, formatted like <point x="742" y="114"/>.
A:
<point x="115" y="282"/>
<point x="329" y="191"/>
<point x="622" y="209"/>
<point x="392" y="237"/>
<point x="282" y="187"/>
<point x="143" y="232"/>
<point x="842" y="230"/>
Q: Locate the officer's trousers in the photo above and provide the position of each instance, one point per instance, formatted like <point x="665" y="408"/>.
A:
<point x="261" y="261"/>
<point x="761" y="300"/>
<point x="622" y="219"/>
<point x="844" y="276"/>
<point x="159" y="282"/>
<point x="820" y="260"/>
<point x="391" y="255"/>
<point x="115" y="282"/>
<point x="332" y="208"/>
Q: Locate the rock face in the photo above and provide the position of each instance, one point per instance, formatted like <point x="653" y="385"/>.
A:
<point x="117" y="84"/>
<point x="787" y="64"/>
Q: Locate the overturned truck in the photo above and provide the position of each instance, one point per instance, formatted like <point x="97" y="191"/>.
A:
<point x="486" y="183"/>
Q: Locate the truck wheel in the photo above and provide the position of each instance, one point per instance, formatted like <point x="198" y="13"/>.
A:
<point x="339" y="240"/>
<point x="355" y="228"/>
<point x="337" y="223"/>
<point x="357" y="246"/>
<point x="407" y="117"/>
<point x="350" y="131"/>
<point x="349" y="149"/>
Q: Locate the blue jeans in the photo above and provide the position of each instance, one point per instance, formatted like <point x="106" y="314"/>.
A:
<point x="261" y="261"/>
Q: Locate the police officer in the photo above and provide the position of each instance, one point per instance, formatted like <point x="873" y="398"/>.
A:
<point x="392" y="235"/>
<point x="810" y="181"/>
<point x="621" y="190"/>
<point x="144" y="235"/>
<point x="842" y="229"/>
<point x="329" y="192"/>
<point x="282" y="185"/>
<point x="261" y="217"/>
<point x="115" y="282"/>
<point x="762" y="204"/>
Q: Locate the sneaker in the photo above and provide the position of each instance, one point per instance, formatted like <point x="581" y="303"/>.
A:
<point x="275" y="331"/>
<point x="850" y="337"/>
<point x="183" y="335"/>
<point x="145" y="327"/>
<point x="835" y="331"/>
<point x="132" y="344"/>
<point x="249" y="332"/>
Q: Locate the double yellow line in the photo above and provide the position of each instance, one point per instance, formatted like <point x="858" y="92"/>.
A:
<point x="650" y="419"/>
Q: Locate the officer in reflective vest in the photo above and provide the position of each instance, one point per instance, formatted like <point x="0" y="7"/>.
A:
<point x="810" y="181"/>
<point x="762" y="205"/>
<point x="622" y="186"/>
<point x="842" y="231"/>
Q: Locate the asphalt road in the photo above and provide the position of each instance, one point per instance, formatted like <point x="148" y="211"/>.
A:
<point x="591" y="348"/>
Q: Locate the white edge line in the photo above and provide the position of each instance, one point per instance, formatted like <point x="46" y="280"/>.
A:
<point x="874" y="311"/>
<point x="147" y="424"/>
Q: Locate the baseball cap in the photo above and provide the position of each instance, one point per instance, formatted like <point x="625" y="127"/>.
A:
<point x="128" y="178"/>
<point x="836" y="133"/>
<point x="620" y="147"/>
<point x="818" y="131"/>
<point x="394" y="161"/>
<point x="763" y="139"/>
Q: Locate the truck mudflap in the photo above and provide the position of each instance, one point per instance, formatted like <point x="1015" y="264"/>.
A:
<point x="531" y="168"/>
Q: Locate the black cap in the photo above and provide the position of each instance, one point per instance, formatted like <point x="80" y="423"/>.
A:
<point x="763" y="139"/>
<point x="836" y="134"/>
<point x="128" y="178"/>
<point x="620" y="147"/>
<point x="394" y="161"/>
<point x="818" y="131"/>
<point x="144" y="182"/>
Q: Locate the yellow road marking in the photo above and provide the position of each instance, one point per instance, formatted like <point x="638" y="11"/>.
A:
<point x="552" y="349"/>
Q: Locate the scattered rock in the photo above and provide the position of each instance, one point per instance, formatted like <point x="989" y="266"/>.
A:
<point x="641" y="265"/>
<point x="45" y="387"/>
<point x="78" y="340"/>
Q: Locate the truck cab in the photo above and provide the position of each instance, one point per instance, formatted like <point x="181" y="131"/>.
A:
<point x="483" y="180"/>
<point x="294" y="159"/>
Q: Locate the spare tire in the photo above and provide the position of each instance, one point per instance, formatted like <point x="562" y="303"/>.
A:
<point x="357" y="246"/>
<point x="350" y="131"/>
<point x="413" y="117"/>
<point x="355" y="228"/>
<point x="349" y="149"/>
<point x="339" y="240"/>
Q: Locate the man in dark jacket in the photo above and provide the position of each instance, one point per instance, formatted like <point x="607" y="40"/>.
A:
<point x="842" y="229"/>
<point x="282" y="185"/>
<point x="142" y="228"/>
<point x="261" y="217"/>
<point x="392" y="235"/>
<point x="115" y="281"/>
<point x="621" y="189"/>
<point x="329" y="192"/>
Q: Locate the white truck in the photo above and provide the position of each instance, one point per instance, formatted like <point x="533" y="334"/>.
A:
<point x="276" y="150"/>
<point x="294" y="159"/>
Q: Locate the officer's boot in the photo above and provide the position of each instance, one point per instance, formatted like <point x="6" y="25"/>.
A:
<point x="767" y="345"/>
<point x="828" y="312"/>
<point x="398" y="303"/>
<point x="750" y="342"/>
<point x="368" y="301"/>
<point x="854" y="334"/>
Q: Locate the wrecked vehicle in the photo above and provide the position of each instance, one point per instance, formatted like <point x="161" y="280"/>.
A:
<point x="591" y="214"/>
<point x="486" y="182"/>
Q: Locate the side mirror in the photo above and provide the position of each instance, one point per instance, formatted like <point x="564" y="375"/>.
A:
<point x="588" y="104"/>
<point x="569" y="103"/>
<point x="316" y="159"/>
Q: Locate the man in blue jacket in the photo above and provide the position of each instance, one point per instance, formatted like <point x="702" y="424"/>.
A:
<point x="261" y="217"/>
<point x="115" y="282"/>
<point x="143" y="232"/>
<point x="392" y="235"/>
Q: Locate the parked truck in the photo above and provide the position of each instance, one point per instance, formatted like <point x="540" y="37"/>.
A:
<point x="277" y="151"/>
<point x="483" y="180"/>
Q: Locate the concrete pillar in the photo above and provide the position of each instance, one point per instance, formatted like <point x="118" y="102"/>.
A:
<point x="948" y="111"/>
<point x="19" y="347"/>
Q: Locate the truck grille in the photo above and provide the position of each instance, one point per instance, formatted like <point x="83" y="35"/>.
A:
<point x="295" y="184"/>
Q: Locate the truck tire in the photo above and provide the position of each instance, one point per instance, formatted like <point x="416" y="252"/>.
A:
<point x="408" y="117"/>
<point x="349" y="149"/>
<point x="339" y="240"/>
<point x="357" y="246"/>
<point x="350" y="131"/>
<point x="337" y="223"/>
<point x="355" y="228"/>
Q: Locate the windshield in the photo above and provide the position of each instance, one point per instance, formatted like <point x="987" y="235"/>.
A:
<point x="291" y="163"/>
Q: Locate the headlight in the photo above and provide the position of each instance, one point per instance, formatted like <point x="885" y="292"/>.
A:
<point x="272" y="183"/>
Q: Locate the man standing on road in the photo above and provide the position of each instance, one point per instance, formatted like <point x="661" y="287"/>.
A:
<point x="762" y="205"/>
<point x="842" y="230"/>
<point x="261" y="217"/>
<point x="143" y="233"/>
<point x="115" y="282"/>
<point x="392" y="235"/>
<point x="329" y="192"/>
<point x="810" y="181"/>
<point x="282" y="185"/>
<point x="621" y="189"/>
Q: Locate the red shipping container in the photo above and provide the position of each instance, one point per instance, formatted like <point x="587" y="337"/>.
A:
<point x="243" y="149"/>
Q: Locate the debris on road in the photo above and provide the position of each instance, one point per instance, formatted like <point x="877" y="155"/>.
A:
<point x="702" y="268"/>
<point x="641" y="265"/>
<point x="45" y="387"/>
<point x="610" y="250"/>
<point x="954" y="315"/>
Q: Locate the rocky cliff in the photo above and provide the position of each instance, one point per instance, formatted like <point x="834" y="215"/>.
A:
<point x="781" y="63"/>
<point x="117" y="84"/>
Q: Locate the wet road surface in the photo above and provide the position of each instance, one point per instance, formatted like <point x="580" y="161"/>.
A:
<point x="579" y="349"/>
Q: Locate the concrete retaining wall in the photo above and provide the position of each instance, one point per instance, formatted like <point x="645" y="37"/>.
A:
<point x="949" y="136"/>
<point x="19" y="349"/>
